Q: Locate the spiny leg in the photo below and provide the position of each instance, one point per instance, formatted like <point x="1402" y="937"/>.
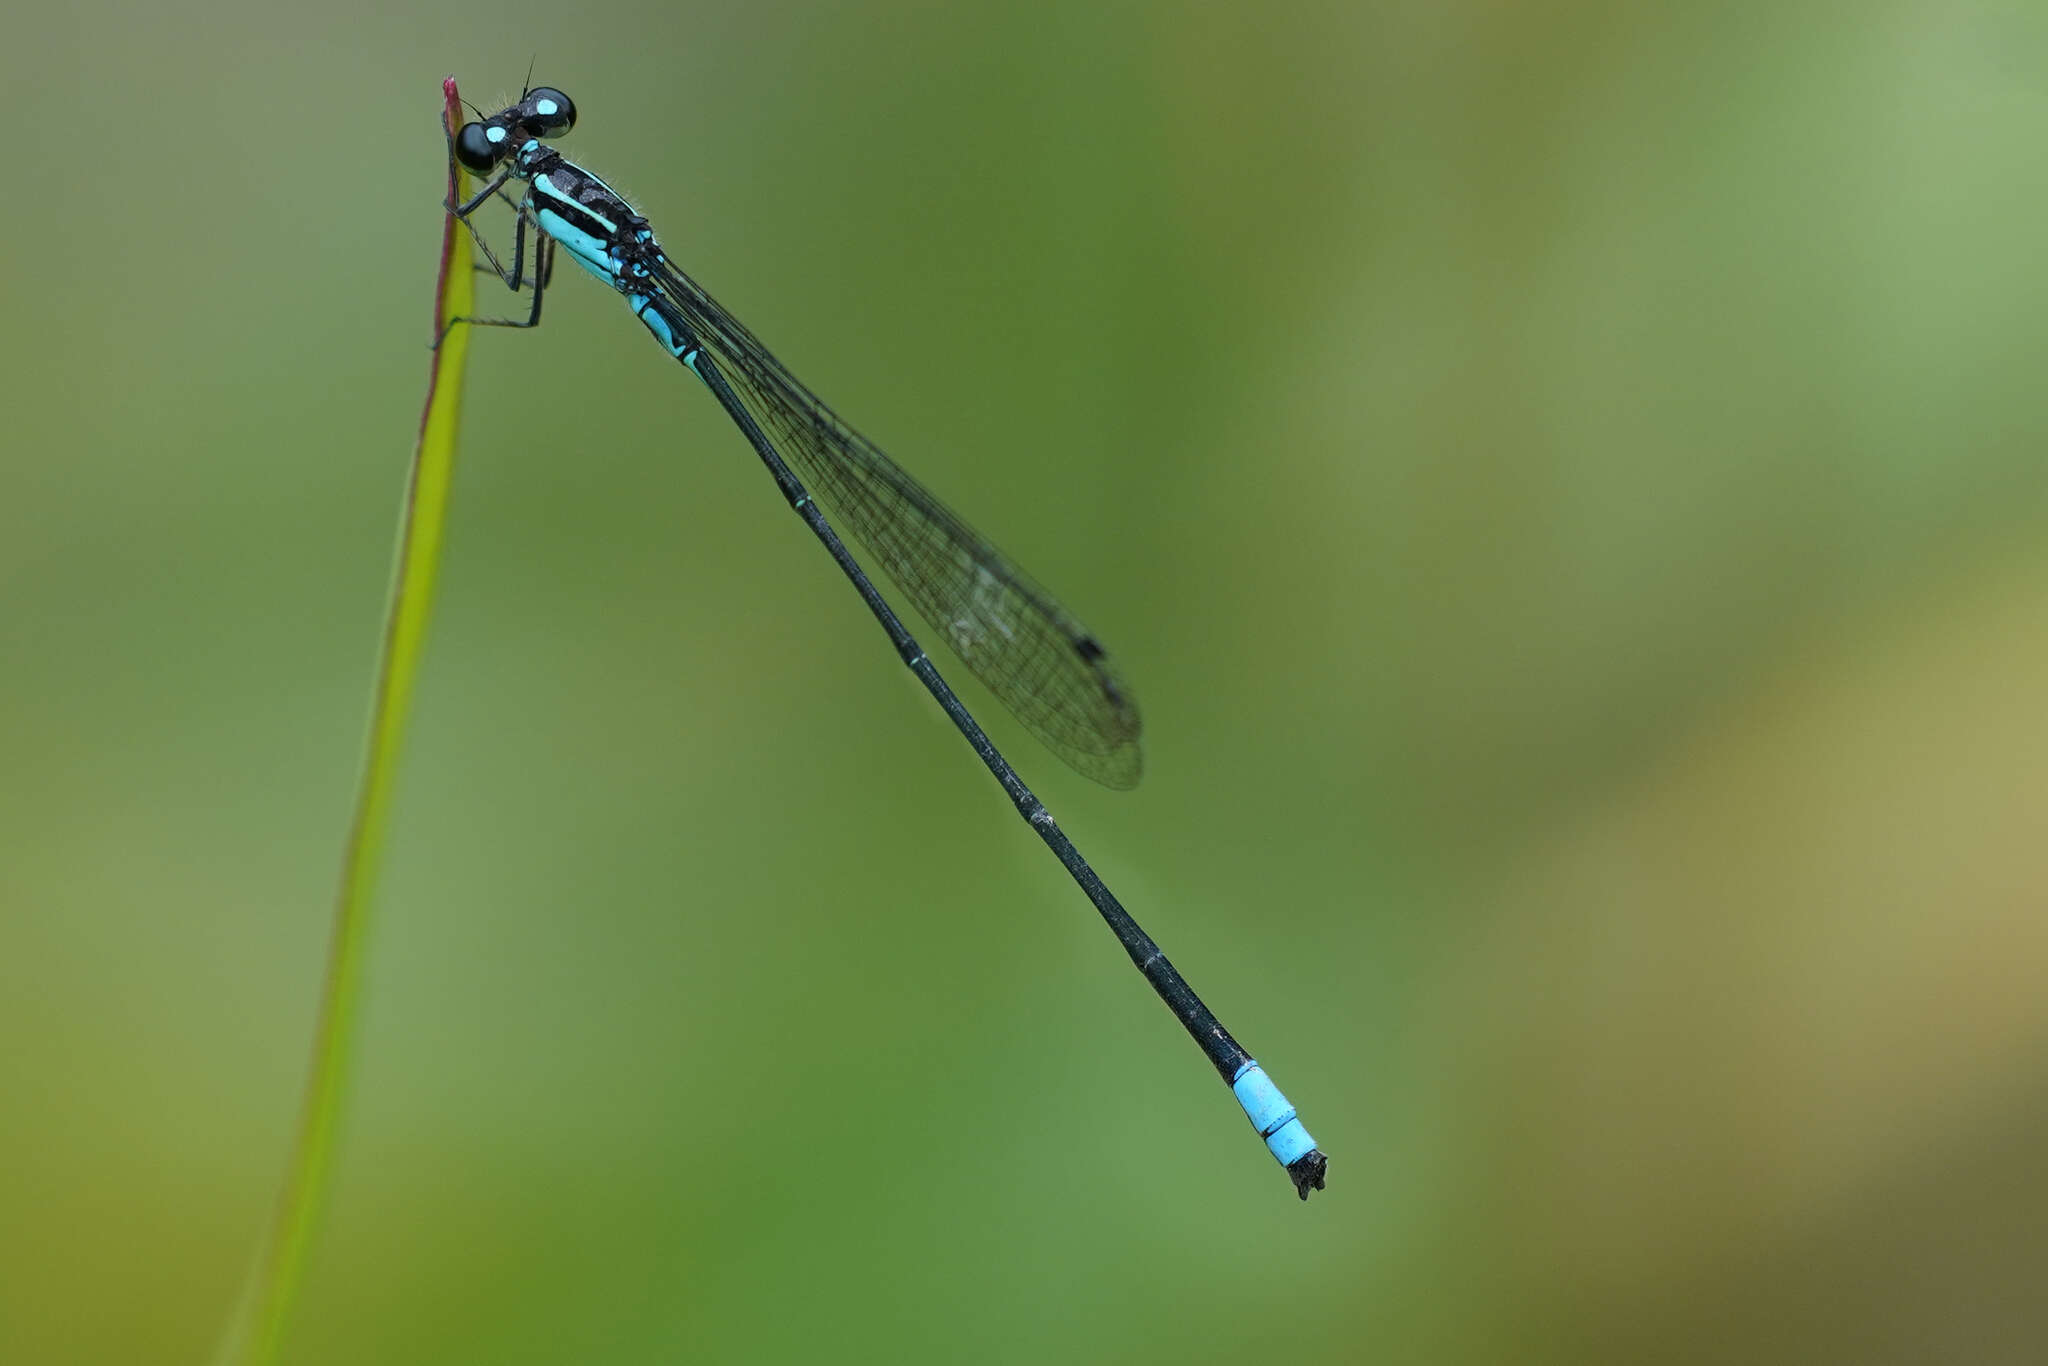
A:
<point x="543" y="270"/>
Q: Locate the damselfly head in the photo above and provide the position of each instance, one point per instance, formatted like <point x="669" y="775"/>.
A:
<point x="542" y="113"/>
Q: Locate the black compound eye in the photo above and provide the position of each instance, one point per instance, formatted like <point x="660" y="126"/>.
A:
<point x="479" y="146"/>
<point x="546" y="113"/>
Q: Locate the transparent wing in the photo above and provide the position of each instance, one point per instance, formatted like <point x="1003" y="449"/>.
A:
<point x="1027" y="649"/>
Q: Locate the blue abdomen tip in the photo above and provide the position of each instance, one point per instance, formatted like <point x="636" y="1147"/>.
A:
<point x="1271" y="1114"/>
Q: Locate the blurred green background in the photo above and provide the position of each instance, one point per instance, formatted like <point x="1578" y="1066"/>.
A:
<point x="1566" y="482"/>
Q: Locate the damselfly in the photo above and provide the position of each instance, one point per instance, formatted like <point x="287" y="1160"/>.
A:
<point x="1031" y="652"/>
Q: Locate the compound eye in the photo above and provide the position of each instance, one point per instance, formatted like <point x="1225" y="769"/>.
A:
<point x="479" y="146"/>
<point x="547" y="113"/>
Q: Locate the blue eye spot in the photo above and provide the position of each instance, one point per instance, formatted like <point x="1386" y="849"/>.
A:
<point x="546" y="107"/>
<point x="495" y="134"/>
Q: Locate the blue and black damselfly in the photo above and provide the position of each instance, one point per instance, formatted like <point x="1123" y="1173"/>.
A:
<point x="1031" y="652"/>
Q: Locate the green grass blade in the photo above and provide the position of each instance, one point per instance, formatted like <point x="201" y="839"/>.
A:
<point x="257" y="1330"/>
